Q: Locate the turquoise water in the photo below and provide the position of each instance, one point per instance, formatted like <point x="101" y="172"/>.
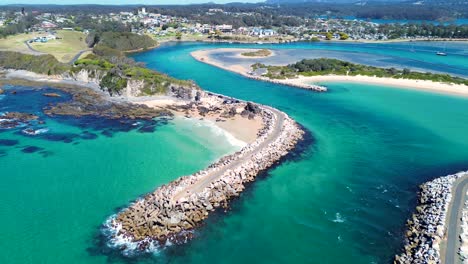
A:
<point x="458" y="21"/>
<point x="347" y="198"/>
<point x="344" y="199"/>
<point x="54" y="201"/>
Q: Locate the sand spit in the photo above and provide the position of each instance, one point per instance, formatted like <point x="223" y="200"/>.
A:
<point x="171" y="212"/>
<point x="204" y="56"/>
<point x="427" y="227"/>
<point x="307" y="82"/>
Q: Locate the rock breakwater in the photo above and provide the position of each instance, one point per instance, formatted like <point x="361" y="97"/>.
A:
<point x="312" y="87"/>
<point x="427" y="227"/>
<point x="172" y="211"/>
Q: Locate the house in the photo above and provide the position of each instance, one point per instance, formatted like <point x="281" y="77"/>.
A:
<point x="47" y="25"/>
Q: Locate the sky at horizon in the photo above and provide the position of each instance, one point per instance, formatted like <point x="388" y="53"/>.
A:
<point x="122" y="2"/>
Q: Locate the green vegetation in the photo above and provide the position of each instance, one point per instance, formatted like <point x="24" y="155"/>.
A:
<point x="119" y="70"/>
<point x="115" y="43"/>
<point x="65" y="47"/>
<point x="43" y="64"/>
<point x="114" y="72"/>
<point x="343" y="36"/>
<point x="257" y="53"/>
<point x="323" y="66"/>
<point x="15" y="28"/>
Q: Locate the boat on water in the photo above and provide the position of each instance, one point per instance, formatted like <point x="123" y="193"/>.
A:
<point x="442" y="53"/>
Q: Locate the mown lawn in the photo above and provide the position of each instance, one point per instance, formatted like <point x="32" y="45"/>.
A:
<point x="16" y="42"/>
<point x="63" y="49"/>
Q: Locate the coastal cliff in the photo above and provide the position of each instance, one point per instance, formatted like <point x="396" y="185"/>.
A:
<point x="172" y="211"/>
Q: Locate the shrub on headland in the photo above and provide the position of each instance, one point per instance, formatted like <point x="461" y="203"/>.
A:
<point x="115" y="72"/>
<point x="43" y="64"/>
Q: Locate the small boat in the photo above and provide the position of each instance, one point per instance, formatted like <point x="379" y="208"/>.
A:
<point x="440" y="53"/>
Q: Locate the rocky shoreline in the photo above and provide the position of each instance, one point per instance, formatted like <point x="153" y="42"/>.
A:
<point x="427" y="227"/>
<point x="173" y="211"/>
<point x="312" y="87"/>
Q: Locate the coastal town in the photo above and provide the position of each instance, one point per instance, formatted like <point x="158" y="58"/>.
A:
<point x="224" y="133"/>
<point x="165" y="27"/>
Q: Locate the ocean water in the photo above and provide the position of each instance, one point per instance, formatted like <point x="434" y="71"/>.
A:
<point x="57" y="188"/>
<point x="346" y="198"/>
<point x="343" y="198"/>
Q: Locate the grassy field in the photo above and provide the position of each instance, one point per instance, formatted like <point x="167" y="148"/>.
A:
<point x="257" y="53"/>
<point x="63" y="49"/>
<point x="16" y="42"/>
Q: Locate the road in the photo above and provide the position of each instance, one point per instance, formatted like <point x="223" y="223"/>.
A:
<point x="454" y="222"/>
<point x="208" y="179"/>
<point x="77" y="56"/>
<point x="33" y="51"/>
<point x="71" y="62"/>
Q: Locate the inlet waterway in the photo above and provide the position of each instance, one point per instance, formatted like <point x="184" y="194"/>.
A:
<point x="344" y="200"/>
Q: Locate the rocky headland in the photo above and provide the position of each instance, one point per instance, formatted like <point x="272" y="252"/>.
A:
<point x="89" y="98"/>
<point x="171" y="212"/>
<point x="427" y="227"/>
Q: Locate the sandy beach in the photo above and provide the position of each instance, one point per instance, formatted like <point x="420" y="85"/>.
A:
<point x="455" y="89"/>
<point x="239" y="127"/>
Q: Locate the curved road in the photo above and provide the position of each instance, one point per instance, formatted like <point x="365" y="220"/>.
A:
<point x="208" y="179"/>
<point x="454" y="221"/>
<point x="33" y="51"/>
<point x="77" y="56"/>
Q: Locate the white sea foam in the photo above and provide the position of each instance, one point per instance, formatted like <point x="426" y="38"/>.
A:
<point x="339" y="218"/>
<point x="215" y="131"/>
<point x="33" y="132"/>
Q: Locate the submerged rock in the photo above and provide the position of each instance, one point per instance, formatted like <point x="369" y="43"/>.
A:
<point x="52" y="95"/>
<point x="31" y="149"/>
<point x="19" y="116"/>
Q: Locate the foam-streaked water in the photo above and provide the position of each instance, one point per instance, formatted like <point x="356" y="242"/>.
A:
<point x="345" y="200"/>
<point x="54" y="200"/>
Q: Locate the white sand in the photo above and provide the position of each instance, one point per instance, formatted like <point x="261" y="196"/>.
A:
<point x="455" y="89"/>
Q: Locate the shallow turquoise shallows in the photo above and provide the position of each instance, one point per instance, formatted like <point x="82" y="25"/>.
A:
<point x="343" y="199"/>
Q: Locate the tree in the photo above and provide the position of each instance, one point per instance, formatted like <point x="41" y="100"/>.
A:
<point x="178" y="35"/>
<point x="329" y="36"/>
<point x="343" y="36"/>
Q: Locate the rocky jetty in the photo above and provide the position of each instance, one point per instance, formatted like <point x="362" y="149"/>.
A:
<point x="173" y="210"/>
<point x="312" y="87"/>
<point x="427" y="226"/>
